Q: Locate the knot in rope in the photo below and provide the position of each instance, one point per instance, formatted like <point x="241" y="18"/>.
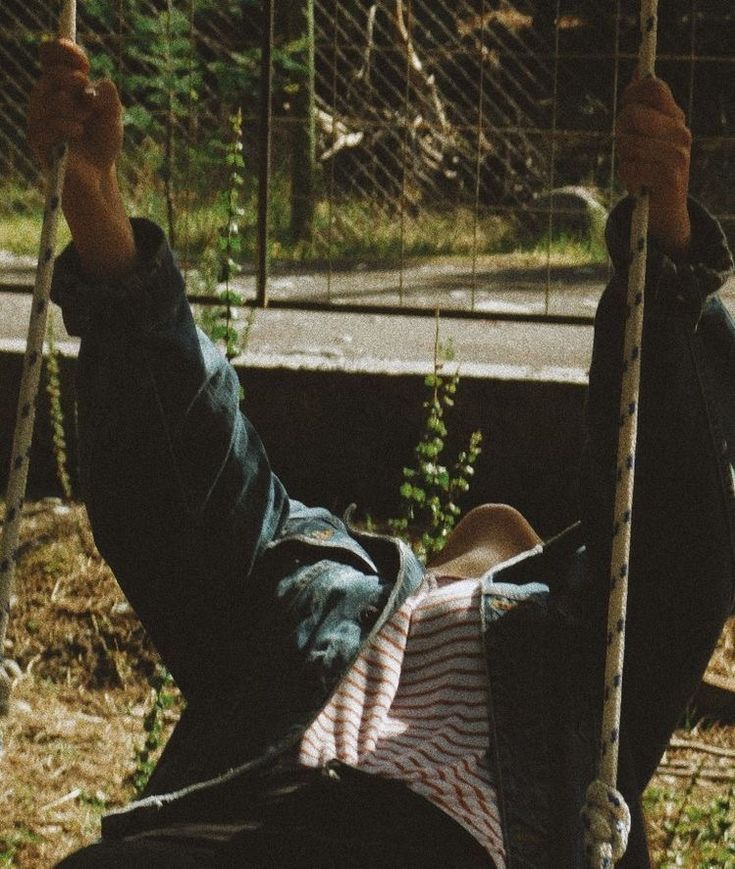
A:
<point x="606" y="819"/>
<point x="9" y="672"/>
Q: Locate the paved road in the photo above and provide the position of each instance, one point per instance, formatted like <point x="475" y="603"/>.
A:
<point x="494" y="287"/>
<point x="378" y="342"/>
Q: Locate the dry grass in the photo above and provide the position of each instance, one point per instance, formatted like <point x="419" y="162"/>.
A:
<point x="78" y="710"/>
<point x="690" y="803"/>
<point x="70" y="621"/>
<point x="78" y="715"/>
<point x="68" y="758"/>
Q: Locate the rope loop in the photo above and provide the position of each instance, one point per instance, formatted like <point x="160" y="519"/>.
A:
<point x="606" y="818"/>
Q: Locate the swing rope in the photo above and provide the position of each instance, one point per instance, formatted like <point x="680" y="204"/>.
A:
<point x="606" y="816"/>
<point x="25" y="418"/>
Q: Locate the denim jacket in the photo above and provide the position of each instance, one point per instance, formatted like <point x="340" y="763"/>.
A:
<point x="259" y="604"/>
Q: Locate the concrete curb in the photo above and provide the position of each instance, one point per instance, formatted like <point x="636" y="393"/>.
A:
<point x="341" y="430"/>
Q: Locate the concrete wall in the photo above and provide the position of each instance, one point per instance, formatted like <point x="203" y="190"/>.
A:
<point x="335" y="437"/>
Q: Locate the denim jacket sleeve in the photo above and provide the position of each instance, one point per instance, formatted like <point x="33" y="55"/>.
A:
<point x="682" y="559"/>
<point x="179" y="490"/>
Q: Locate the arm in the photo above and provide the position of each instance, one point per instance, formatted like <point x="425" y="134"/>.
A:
<point x="682" y="567"/>
<point x="67" y="106"/>
<point x="177" y="484"/>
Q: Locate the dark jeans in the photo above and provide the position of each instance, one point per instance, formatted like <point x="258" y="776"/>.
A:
<point x="297" y="816"/>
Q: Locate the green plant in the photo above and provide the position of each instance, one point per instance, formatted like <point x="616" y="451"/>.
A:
<point x="163" y="698"/>
<point x="12" y="841"/>
<point x="689" y="827"/>
<point x="166" y="88"/>
<point x="56" y="414"/>
<point x="430" y="489"/>
<point x="707" y="831"/>
<point x="219" y="321"/>
<point x="562" y="248"/>
<point x="97" y="801"/>
<point x="176" y="67"/>
<point x="230" y="245"/>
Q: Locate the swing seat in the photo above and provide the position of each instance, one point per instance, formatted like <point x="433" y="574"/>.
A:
<point x="485" y="537"/>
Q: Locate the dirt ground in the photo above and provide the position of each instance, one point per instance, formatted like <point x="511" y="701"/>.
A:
<point x="77" y="717"/>
<point x="76" y="728"/>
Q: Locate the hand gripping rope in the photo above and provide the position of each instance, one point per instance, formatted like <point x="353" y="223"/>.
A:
<point x="606" y="816"/>
<point x="26" y="415"/>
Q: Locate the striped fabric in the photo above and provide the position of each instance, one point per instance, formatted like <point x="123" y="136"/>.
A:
<point x="414" y="707"/>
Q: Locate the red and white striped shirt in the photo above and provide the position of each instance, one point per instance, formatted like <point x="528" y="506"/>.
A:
<point x="414" y="707"/>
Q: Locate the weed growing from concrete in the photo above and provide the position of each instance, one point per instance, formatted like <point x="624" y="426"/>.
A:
<point x="219" y="322"/>
<point x="430" y="489"/>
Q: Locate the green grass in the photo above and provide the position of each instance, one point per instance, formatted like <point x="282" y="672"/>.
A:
<point x="11" y="843"/>
<point x="566" y="250"/>
<point x="345" y="233"/>
<point x="696" y="833"/>
<point x="21" y="210"/>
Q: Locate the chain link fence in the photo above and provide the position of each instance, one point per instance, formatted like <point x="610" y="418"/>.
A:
<point x="403" y="131"/>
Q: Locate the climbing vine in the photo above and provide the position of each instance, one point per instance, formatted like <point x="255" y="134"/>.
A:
<point x="163" y="697"/>
<point x="220" y="321"/>
<point x="430" y="489"/>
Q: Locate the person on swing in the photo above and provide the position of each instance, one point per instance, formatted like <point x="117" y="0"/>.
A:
<point x="347" y="706"/>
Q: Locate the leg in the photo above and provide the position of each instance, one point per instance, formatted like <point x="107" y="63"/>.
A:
<point x="681" y="574"/>
<point x="296" y="816"/>
<point x="142" y="854"/>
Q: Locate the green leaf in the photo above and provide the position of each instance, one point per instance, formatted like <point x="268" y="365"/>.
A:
<point x="406" y="491"/>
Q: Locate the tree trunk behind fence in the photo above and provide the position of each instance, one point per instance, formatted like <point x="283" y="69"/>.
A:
<point x="303" y="139"/>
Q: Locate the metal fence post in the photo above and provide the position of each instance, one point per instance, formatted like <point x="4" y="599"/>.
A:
<point x="303" y="137"/>
<point x="264" y="152"/>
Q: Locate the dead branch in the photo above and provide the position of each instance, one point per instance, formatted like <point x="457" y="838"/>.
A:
<point x="336" y="132"/>
<point x="363" y="74"/>
<point x="426" y="81"/>
<point x="691" y="771"/>
<point x="677" y="742"/>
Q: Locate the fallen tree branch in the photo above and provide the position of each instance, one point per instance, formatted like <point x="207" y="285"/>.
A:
<point x="341" y="135"/>
<point x="426" y="81"/>
<point x="677" y="742"/>
<point x="363" y="74"/>
<point x="691" y="771"/>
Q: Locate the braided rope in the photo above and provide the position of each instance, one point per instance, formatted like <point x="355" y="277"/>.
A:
<point x="606" y="840"/>
<point x="26" y="415"/>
